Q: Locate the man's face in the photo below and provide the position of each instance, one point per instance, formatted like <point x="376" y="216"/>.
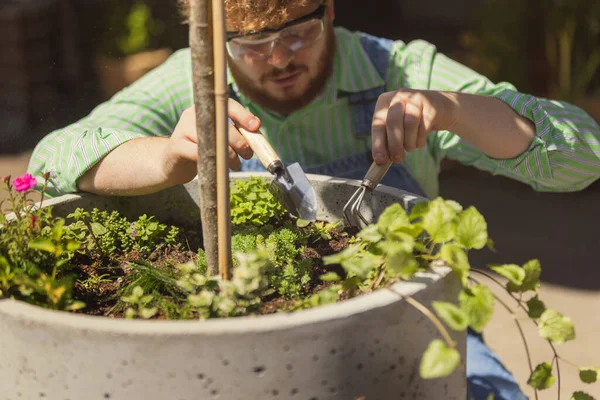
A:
<point x="287" y="80"/>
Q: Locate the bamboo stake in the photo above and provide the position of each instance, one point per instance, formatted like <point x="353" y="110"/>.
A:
<point x="222" y="123"/>
<point x="201" y="45"/>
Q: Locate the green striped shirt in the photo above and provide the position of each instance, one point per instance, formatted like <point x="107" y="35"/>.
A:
<point x="565" y="155"/>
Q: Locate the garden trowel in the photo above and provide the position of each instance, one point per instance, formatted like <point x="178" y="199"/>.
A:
<point x="290" y="184"/>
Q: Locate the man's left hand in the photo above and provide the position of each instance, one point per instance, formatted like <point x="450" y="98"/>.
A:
<point x="404" y="118"/>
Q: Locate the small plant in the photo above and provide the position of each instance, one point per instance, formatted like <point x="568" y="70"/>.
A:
<point x="440" y="232"/>
<point x="34" y="251"/>
<point x="138" y="300"/>
<point x="106" y="232"/>
<point x="253" y="203"/>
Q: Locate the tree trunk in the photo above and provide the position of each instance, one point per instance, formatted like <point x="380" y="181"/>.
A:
<point x="201" y="44"/>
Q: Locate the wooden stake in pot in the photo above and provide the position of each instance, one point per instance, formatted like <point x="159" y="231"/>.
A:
<point x="213" y="201"/>
<point x="222" y="124"/>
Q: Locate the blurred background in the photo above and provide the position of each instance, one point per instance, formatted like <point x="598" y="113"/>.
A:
<point x="60" y="58"/>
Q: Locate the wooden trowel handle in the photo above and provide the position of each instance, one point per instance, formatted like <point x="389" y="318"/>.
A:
<point x="375" y="174"/>
<point x="265" y="153"/>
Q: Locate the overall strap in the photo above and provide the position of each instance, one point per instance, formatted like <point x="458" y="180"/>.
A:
<point x="378" y="50"/>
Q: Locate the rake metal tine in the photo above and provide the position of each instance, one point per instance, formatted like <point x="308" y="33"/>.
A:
<point x="358" y="213"/>
<point x="351" y="206"/>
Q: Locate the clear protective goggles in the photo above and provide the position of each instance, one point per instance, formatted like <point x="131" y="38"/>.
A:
<point x="295" y="35"/>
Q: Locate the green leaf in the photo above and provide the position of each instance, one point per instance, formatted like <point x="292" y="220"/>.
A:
<point x="98" y="229"/>
<point x="579" y="395"/>
<point x="454" y="205"/>
<point x="404" y="243"/>
<point x="556" y="327"/>
<point x="137" y="292"/>
<point x="531" y="281"/>
<point x="302" y="223"/>
<point x="148" y="312"/>
<point x="146" y="299"/>
<point x="413" y="230"/>
<point x="478" y="303"/>
<point x="392" y="219"/>
<point x="512" y="272"/>
<point x="491" y="245"/>
<point x="419" y="210"/>
<point x="42" y="244"/>
<point x="402" y="264"/>
<point x="57" y="229"/>
<point x="438" y="360"/>
<point x="371" y="234"/>
<point x="453" y="316"/>
<point x="72" y="246"/>
<point x="457" y="259"/>
<point x="130" y="313"/>
<point x="535" y="307"/>
<point x="203" y="299"/>
<point x="541" y="378"/>
<point x="351" y="283"/>
<point x="76" y="305"/>
<point x="330" y="277"/>
<point x="533" y="270"/>
<point x="440" y="221"/>
<point x="471" y="230"/>
<point x="361" y="266"/>
<point x="347" y="253"/>
<point x="588" y="374"/>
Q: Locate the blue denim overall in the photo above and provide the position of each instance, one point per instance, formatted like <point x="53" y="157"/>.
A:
<point x="485" y="372"/>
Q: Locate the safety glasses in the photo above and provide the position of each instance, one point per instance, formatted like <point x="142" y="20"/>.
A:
<point x="295" y="35"/>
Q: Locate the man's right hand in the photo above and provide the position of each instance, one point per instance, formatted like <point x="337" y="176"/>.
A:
<point x="180" y="155"/>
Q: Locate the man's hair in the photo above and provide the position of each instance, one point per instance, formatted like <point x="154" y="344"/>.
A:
<point x="252" y="15"/>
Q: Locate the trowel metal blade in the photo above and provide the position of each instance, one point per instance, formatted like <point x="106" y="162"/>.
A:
<point x="293" y="189"/>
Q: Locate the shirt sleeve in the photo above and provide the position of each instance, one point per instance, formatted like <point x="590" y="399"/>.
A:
<point x="150" y="107"/>
<point x="565" y="154"/>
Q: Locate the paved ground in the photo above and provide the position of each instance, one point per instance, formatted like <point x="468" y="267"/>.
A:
<point x="559" y="229"/>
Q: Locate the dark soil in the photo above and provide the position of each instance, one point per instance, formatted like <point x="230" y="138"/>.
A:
<point x="99" y="280"/>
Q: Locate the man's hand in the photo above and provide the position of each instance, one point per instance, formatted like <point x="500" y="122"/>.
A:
<point x="404" y="118"/>
<point x="180" y="155"/>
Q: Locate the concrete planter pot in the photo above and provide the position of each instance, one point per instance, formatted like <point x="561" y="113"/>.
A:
<point x="369" y="346"/>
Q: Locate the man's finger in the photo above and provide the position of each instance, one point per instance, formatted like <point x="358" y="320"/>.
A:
<point x="422" y="135"/>
<point x="242" y="117"/>
<point x="412" y="120"/>
<point x="239" y="144"/>
<point x="234" y="160"/>
<point x="378" y="130"/>
<point x="395" y="128"/>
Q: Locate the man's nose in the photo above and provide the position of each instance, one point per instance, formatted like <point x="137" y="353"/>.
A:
<point x="280" y="56"/>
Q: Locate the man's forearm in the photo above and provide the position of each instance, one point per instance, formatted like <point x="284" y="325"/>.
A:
<point x="131" y="169"/>
<point x="491" y="126"/>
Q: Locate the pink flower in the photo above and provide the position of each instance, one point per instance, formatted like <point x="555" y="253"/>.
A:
<point x="24" y="182"/>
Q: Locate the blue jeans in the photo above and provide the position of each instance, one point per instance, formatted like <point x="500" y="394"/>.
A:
<point x="486" y="374"/>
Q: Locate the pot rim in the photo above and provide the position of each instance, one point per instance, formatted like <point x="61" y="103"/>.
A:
<point x="28" y="313"/>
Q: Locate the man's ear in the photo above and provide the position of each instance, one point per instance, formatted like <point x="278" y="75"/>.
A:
<point x="331" y="10"/>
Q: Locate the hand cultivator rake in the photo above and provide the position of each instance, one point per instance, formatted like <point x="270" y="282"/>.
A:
<point x="352" y="214"/>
